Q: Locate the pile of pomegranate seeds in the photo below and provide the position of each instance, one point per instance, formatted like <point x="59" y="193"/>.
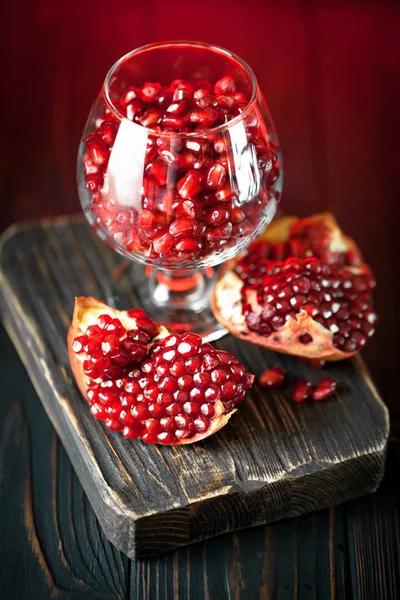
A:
<point x="189" y="205"/>
<point x="335" y="298"/>
<point x="162" y="391"/>
<point x="111" y="351"/>
<point x="303" y="389"/>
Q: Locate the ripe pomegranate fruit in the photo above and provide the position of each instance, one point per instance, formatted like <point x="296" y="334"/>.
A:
<point x="188" y="180"/>
<point x="148" y="384"/>
<point x="308" y="307"/>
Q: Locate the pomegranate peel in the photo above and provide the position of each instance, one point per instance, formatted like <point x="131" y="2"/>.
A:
<point x="179" y="391"/>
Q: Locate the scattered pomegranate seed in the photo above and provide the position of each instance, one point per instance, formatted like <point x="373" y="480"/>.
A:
<point x="325" y="388"/>
<point x="272" y="377"/>
<point x="302" y="390"/>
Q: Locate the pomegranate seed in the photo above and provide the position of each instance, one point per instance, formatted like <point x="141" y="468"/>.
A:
<point x="172" y="121"/>
<point x="170" y="158"/>
<point x="223" y="232"/>
<point x="158" y="169"/>
<point x="96" y="149"/>
<point x="98" y="411"/>
<point x="134" y="109"/>
<point x="225" y="194"/>
<point x="217" y="215"/>
<point x="150" y="117"/>
<point x="206" y="116"/>
<point x="177" y="108"/>
<point x="146" y="219"/>
<point x="227" y="102"/>
<point x="224" y="86"/>
<point x="215" y="176"/>
<point x="187" y="161"/>
<point x="305" y="338"/>
<point x="130" y="94"/>
<point x="79" y="343"/>
<point x="108" y="132"/>
<point x="197" y="147"/>
<point x="325" y="388"/>
<point x="205" y="101"/>
<point x="184" y="227"/>
<point x="240" y="97"/>
<point x="190" y="184"/>
<point x="302" y="390"/>
<point x="150" y="91"/>
<point x="192" y="208"/>
<point x="189" y="245"/>
<point x="237" y="215"/>
<point x="272" y="377"/>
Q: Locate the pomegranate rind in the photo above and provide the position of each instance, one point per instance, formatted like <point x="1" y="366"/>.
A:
<point x="85" y="313"/>
<point x="226" y="300"/>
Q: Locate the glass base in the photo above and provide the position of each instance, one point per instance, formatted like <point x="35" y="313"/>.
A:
<point x="179" y="300"/>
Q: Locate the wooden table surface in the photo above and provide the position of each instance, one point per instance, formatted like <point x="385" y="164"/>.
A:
<point x="331" y="75"/>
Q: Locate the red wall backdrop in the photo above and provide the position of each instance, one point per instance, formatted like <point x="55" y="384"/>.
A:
<point x="330" y="72"/>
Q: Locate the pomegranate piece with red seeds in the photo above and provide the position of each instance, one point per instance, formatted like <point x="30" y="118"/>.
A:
<point x="325" y="388"/>
<point x="148" y="384"/>
<point x="302" y="306"/>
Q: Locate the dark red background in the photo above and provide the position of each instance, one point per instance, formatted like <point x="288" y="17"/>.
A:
<point x="330" y="72"/>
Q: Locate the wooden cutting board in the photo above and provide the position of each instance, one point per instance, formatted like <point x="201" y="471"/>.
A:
<point x="274" y="459"/>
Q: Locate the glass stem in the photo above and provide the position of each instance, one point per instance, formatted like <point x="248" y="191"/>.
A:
<point x="180" y="290"/>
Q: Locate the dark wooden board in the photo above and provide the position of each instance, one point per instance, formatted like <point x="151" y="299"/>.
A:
<point x="274" y="459"/>
<point x="51" y="544"/>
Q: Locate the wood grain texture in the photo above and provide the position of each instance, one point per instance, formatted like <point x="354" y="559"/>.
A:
<point x="275" y="459"/>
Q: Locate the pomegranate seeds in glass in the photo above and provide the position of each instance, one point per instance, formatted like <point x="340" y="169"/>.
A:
<point x="179" y="169"/>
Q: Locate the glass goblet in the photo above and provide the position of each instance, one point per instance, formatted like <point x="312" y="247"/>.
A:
<point x="179" y="170"/>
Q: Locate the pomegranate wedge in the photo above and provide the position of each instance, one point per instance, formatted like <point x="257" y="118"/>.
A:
<point x="317" y="304"/>
<point x="148" y="384"/>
